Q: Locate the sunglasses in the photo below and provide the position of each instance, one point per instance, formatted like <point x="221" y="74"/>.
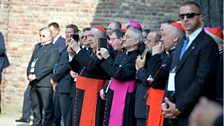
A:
<point x="188" y="15"/>
<point x="42" y="36"/>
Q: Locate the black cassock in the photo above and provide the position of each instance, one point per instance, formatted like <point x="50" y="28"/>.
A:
<point x="90" y="76"/>
<point x="219" y="79"/>
<point x="121" y="69"/>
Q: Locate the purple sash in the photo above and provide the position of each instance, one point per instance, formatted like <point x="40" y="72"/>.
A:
<point x="120" y="89"/>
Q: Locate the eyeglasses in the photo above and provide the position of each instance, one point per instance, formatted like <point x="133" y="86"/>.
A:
<point x="42" y="36"/>
<point x="188" y="15"/>
<point x="90" y="36"/>
<point x="84" y="37"/>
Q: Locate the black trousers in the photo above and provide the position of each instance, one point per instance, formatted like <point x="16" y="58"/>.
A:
<point x="141" y="122"/>
<point x="57" y="109"/>
<point x="66" y="108"/>
<point x="26" y="112"/>
<point x="41" y="101"/>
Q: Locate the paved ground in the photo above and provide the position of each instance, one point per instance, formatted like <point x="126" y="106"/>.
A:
<point x="10" y="114"/>
<point x="8" y="117"/>
<point x="10" y="121"/>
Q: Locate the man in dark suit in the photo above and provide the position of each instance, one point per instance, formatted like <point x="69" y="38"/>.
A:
<point x="62" y="81"/>
<point x="39" y="73"/>
<point x="26" y="109"/>
<point x="4" y="62"/>
<point x="191" y="72"/>
<point x="59" y="43"/>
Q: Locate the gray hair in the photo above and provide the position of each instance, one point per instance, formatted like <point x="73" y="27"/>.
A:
<point x="138" y="34"/>
<point x="99" y="33"/>
<point x="179" y="33"/>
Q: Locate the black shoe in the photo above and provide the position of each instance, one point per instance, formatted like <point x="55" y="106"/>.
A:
<point x="23" y="120"/>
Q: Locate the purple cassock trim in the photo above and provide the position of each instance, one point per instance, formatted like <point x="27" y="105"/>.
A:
<point x="120" y="89"/>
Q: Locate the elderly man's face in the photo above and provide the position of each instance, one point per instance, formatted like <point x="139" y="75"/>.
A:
<point x="168" y="38"/>
<point x="86" y="35"/>
<point x="150" y="40"/>
<point x="93" y="40"/>
<point x="129" y="39"/>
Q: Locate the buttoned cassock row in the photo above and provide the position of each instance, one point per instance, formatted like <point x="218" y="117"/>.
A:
<point x="116" y="69"/>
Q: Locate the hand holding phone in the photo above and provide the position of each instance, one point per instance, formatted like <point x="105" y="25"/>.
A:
<point x="75" y="45"/>
<point x="75" y="37"/>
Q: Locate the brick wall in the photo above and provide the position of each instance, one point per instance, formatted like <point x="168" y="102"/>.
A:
<point x="212" y="12"/>
<point x="20" y="21"/>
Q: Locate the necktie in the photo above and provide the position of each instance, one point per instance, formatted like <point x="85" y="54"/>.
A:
<point x="184" y="48"/>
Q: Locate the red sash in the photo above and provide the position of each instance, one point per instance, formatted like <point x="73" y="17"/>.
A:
<point x="91" y="87"/>
<point x="154" y="100"/>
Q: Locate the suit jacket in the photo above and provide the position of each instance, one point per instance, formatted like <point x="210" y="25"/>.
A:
<point x="219" y="121"/>
<point x="142" y="86"/>
<point x="62" y="73"/>
<point x="194" y="74"/>
<point x="47" y="56"/>
<point x="60" y="44"/>
<point x="4" y="62"/>
<point x="219" y="79"/>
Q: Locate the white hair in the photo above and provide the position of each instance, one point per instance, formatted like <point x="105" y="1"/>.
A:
<point x="99" y="33"/>
<point x="177" y="32"/>
<point x="137" y="34"/>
